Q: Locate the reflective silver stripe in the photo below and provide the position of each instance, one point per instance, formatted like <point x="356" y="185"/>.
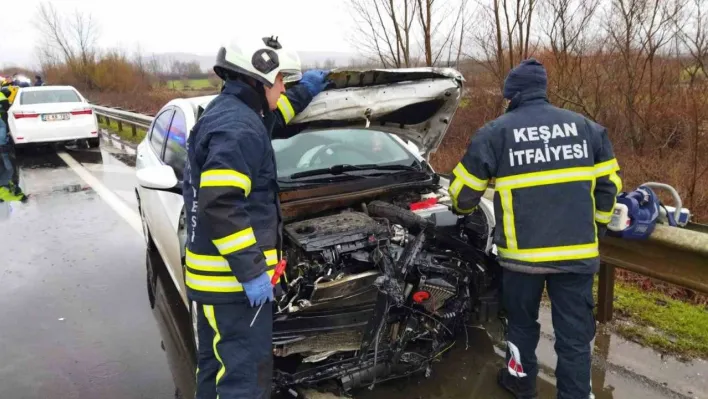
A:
<point x="207" y="262"/>
<point x="607" y="167"/>
<point x="236" y="242"/>
<point x="603" y="217"/>
<point x="271" y="257"/>
<point x="212" y="284"/>
<point x="225" y="178"/>
<point x="548" y="177"/>
<point x="551" y="254"/>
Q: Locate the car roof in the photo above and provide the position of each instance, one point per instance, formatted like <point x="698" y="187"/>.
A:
<point x="201" y="101"/>
<point x="193" y="103"/>
<point x="45" y="88"/>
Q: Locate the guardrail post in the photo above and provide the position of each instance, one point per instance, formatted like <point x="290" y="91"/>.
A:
<point x="605" y="293"/>
<point x="120" y="126"/>
<point x="135" y="130"/>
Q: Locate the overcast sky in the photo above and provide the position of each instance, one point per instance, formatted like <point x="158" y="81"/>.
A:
<point x="195" y="26"/>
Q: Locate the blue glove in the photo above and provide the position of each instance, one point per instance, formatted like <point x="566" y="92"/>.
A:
<point x="315" y="80"/>
<point x="258" y="290"/>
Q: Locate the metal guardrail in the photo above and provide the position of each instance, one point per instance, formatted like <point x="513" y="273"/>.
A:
<point x="133" y="119"/>
<point x="674" y="255"/>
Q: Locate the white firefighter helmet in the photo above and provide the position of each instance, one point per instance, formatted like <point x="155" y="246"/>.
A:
<point x="259" y="58"/>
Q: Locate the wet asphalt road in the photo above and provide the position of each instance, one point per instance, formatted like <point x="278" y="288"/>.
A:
<point x="75" y="321"/>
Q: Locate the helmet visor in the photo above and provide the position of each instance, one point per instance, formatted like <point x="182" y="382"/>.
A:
<point x="290" y="76"/>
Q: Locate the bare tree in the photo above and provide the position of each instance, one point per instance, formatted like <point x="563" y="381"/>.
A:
<point x="157" y="68"/>
<point x="568" y="27"/>
<point x="384" y="30"/>
<point x="459" y="29"/>
<point x="693" y="38"/>
<point x="505" y="33"/>
<point x="395" y="32"/>
<point x="638" y="30"/>
<point x="71" y="40"/>
<point x="329" y="64"/>
<point x="438" y="30"/>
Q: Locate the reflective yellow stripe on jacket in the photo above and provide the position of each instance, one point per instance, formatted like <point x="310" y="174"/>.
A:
<point x="608" y="169"/>
<point x="225" y="178"/>
<point x="463" y="178"/>
<point x="286" y="109"/>
<point x="505" y="185"/>
<point x="218" y="264"/>
<point x="549" y="254"/>
<point x="236" y="242"/>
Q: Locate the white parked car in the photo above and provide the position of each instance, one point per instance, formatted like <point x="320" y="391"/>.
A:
<point x="51" y="114"/>
<point x="366" y="221"/>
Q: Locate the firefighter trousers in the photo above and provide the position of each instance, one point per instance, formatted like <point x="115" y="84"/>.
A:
<point x="572" y="306"/>
<point x="6" y="169"/>
<point x="234" y="360"/>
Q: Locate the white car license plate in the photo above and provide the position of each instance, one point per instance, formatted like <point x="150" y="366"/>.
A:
<point x="55" y="117"/>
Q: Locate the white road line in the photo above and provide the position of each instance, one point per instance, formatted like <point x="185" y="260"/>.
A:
<point x="111" y="199"/>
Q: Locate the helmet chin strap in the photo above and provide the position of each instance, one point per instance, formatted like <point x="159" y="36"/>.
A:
<point x="260" y="88"/>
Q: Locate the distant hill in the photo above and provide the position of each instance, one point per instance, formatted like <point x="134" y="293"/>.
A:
<point x="308" y="58"/>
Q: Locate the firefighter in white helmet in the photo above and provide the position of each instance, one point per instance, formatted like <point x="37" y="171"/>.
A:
<point x="234" y="230"/>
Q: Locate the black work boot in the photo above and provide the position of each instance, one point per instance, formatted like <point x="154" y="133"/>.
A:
<point x="521" y="388"/>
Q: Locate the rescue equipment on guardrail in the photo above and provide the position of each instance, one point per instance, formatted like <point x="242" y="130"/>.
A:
<point x="636" y="213"/>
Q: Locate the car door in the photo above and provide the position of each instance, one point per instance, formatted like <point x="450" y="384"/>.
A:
<point x="150" y="154"/>
<point x="172" y="205"/>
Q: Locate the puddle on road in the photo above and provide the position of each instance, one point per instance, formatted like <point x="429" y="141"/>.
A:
<point x="125" y="158"/>
<point x="471" y="374"/>
<point x="42" y="172"/>
<point x="45" y="156"/>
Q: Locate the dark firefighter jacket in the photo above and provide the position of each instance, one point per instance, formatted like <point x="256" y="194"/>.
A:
<point x="4" y="104"/>
<point x="231" y="192"/>
<point x="555" y="182"/>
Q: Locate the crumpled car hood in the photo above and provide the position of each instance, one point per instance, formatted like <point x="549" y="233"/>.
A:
<point x="417" y="104"/>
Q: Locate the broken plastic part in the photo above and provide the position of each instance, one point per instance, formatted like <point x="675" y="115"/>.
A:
<point x="421" y="296"/>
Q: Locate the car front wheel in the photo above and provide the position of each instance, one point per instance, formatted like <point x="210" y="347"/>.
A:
<point x="151" y="277"/>
<point x="146" y="230"/>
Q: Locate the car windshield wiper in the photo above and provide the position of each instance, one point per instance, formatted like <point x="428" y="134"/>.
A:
<point x="342" y="169"/>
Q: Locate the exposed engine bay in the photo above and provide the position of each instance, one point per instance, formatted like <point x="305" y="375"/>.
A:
<point x="380" y="291"/>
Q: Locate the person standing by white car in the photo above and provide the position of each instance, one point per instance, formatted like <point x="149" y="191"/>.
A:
<point x="6" y="169"/>
<point x="231" y="197"/>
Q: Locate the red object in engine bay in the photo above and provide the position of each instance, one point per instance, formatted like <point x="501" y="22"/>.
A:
<point x="424" y="204"/>
<point x="421" y="296"/>
<point x="279" y="270"/>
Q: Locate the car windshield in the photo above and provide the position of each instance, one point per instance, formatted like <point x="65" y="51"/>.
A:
<point x="323" y="149"/>
<point x="49" y="96"/>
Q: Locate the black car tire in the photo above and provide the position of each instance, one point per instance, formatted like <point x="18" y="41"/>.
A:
<point x="151" y="278"/>
<point x="94" y="143"/>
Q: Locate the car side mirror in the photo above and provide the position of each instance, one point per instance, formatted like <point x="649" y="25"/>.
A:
<point x="160" y="178"/>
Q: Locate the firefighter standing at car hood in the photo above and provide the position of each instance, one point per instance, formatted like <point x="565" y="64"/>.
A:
<point x="231" y="198"/>
<point x="556" y="183"/>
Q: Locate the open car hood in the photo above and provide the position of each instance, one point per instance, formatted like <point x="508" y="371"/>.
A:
<point x="417" y="104"/>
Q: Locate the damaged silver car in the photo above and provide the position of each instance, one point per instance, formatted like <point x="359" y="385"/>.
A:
<point x="382" y="277"/>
